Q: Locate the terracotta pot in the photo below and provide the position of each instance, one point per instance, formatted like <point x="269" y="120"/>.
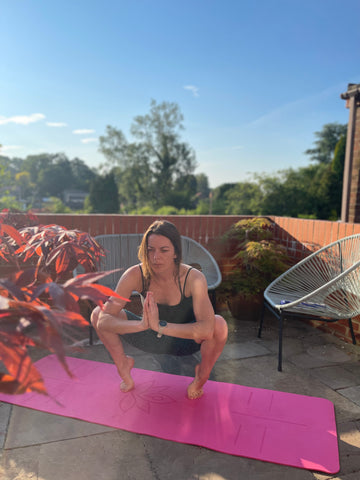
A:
<point x="246" y="308"/>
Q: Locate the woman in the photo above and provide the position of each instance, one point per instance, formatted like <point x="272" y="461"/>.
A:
<point x="178" y="317"/>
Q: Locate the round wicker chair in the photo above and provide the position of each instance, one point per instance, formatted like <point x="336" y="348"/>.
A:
<point x="323" y="286"/>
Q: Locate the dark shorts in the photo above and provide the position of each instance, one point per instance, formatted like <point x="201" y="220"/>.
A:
<point x="148" y="341"/>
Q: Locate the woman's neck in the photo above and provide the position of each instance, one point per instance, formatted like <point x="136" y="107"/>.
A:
<point x="165" y="276"/>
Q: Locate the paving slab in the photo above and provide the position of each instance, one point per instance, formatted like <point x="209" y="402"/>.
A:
<point x="349" y="446"/>
<point x="352" y="393"/>
<point x="336" y="377"/>
<point x="353" y="367"/>
<point x="332" y="353"/>
<point x="244" y="350"/>
<point x="32" y="427"/>
<point x="321" y="356"/>
<point x="179" y="462"/>
<point x="5" y="410"/>
<point x="112" y="456"/>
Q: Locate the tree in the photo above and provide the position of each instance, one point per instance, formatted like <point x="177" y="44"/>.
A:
<point x="104" y="196"/>
<point x="22" y="180"/>
<point x="82" y="175"/>
<point x="336" y="178"/>
<point x="55" y="178"/>
<point x="5" y="176"/>
<point x="244" y="199"/>
<point x="325" y="145"/>
<point x="54" y="173"/>
<point x="202" y="185"/>
<point x="157" y="151"/>
<point x="220" y="198"/>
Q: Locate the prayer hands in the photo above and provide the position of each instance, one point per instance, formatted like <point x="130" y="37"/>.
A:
<point x="151" y="312"/>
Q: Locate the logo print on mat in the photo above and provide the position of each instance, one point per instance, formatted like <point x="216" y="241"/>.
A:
<point x="144" y="395"/>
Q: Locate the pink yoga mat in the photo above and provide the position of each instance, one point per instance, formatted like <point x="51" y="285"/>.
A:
<point x="277" y="427"/>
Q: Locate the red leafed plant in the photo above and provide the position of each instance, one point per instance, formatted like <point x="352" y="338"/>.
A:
<point x="39" y="295"/>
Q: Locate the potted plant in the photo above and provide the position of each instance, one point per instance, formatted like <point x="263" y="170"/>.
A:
<point x="51" y="248"/>
<point x="39" y="297"/>
<point x="257" y="259"/>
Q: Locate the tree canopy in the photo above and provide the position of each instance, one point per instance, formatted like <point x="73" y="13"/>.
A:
<point x="157" y="160"/>
<point x="314" y="191"/>
<point x="326" y="142"/>
<point x="103" y="196"/>
<point x="154" y="174"/>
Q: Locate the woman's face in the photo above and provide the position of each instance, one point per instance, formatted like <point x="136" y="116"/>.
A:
<point x="161" y="253"/>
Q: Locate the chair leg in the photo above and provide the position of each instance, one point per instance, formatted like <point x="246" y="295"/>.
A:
<point x="91" y="334"/>
<point x="352" y="331"/>
<point x="261" y="320"/>
<point x="280" y="342"/>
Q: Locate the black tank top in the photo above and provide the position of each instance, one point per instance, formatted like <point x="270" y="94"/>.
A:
<point x="183" y="312"/>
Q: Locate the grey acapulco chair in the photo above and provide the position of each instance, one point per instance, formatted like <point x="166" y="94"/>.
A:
<point x="121" y="252"/>
<point x="324" y="286"/>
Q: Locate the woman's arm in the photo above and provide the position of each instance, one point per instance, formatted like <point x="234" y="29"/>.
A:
<point x="111" y="316"/>
<point x="203" y="328"/>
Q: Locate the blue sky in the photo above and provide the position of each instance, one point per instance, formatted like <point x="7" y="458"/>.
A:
<point x="254" y="79"/>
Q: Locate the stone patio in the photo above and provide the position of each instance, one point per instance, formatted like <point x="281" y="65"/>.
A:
<point x="40" y="446"/>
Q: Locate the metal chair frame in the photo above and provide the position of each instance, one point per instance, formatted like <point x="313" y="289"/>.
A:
<point x="324" y="286"/>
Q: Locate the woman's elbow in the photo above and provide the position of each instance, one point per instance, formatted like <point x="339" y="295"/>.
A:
<point x="202" y="334"/>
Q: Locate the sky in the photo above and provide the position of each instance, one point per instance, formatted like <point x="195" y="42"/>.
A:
<point x="254" y="79"/>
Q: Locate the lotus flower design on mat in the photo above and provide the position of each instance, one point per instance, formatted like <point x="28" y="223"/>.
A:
<point x="144" y="395"/>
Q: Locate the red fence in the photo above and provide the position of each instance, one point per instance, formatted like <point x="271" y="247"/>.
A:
<point x="300" y="236"/>
<point x="205" y="229"/>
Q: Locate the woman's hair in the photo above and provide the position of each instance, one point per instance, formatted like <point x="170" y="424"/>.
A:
<point x="168" y="230"/>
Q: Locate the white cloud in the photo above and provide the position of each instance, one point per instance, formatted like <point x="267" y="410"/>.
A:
<point x="193" y="89"/>
<point x="88" y="140"/>
<point x="8" y="148"/>
<point x="22" y="119"/>
<point x="56" y="124"/>
<point x="83" y="131"/>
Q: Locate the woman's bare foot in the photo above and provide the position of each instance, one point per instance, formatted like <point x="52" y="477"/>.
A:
<point x="127" y="383"/>
<point x="195" y="389"/>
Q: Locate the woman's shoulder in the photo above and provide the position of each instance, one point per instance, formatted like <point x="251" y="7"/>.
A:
<point x="132" y="275"/>
<point x="134" y="270"/>
<point x="192" y="267"/>
<point x="191" y="272"/>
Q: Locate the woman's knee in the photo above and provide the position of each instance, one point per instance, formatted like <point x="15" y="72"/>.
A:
<point x="94" y="318"/>
<point x="221" y="328"/>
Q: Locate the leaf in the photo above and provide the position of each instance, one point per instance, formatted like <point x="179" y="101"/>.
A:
<point x="11" y="386"/>
<point x="15" y="291"/>
<point x="86" y="278"/>
<point x="50" y="332"/>
<point x="24" y="278"/>
<point x="60" y="297"/>
<point x="71" y="318"/>
<point x="99" y="294"/>
<point x="82" y="287"/>
<point x="12" y="232"/>
<point x="20" y="367"/>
